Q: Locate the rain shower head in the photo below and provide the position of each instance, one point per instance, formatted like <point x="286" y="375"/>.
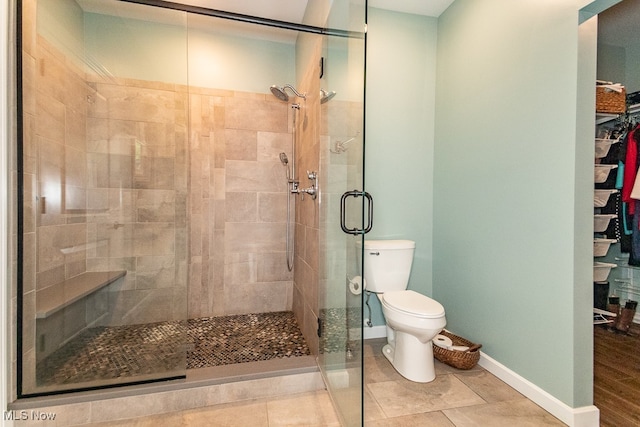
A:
<point x="326" y="96"/>
<point x="281" y="93"/>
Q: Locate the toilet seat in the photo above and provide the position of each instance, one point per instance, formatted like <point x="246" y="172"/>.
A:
<point x="413" y="303"/>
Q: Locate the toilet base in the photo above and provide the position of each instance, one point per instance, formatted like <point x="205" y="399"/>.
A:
<point x="411" y="358"/>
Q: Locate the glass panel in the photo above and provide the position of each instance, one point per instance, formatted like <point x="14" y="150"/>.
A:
<point x="139" y="176"/>
<point x="342" y="152"/>
<point x="105" y="184"/>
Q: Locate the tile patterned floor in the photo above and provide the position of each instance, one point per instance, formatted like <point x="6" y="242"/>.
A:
<point x="128" y="351"/>
<point x="455" y="399"/>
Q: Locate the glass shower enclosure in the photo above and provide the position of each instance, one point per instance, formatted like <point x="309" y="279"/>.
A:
<point x="104" y="178"/>
<point x="136" y="171"/>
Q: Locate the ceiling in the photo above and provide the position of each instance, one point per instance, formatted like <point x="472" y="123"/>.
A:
<point x="419" y="7"/>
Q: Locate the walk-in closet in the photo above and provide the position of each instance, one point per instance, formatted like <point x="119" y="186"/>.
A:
<point x="617" y="217"/>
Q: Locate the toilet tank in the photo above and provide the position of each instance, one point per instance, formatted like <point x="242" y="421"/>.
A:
<point x="387" y="264"/>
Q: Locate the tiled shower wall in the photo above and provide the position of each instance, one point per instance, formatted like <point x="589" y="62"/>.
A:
<point x="238" y="203"/>
<point x="325" y="256"/>
<point x="307" y="232"/>
<point x="136" y="164"/>
<point x="126" y="187"/>
<point x="228" y="189"/>
<point x="138" y="189"/>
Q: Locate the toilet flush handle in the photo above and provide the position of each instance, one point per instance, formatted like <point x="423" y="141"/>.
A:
<point x="374" y="253"/>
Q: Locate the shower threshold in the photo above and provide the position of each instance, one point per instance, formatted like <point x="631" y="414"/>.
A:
<point x="203" y="386"/>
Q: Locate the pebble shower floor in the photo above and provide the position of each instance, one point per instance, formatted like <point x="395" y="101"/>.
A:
<point x="124" y="351"/>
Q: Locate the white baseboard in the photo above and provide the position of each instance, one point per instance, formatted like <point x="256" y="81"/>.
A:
<point x="374" y="332"/>
<point x="586" y="416"/>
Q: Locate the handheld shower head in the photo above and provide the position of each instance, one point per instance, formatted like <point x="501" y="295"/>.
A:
<point x="285" y="162"/>
<point x="281" y="93"/>
<point x="326" y="96"/>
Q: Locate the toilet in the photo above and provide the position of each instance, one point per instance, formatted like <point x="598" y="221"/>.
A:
<point x="413" y="319"/>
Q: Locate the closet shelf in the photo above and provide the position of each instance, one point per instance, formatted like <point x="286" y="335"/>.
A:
<point x="605" y="117"/>
<point x="625" y="264"/>
<point x="56" y="297"/>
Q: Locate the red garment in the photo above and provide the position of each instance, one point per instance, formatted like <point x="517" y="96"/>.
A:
<point x="630" y="171"/>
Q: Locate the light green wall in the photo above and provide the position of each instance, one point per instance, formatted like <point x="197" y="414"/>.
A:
<point x="236" y="63"/>
<point x="631" y="66"/>
<point x="611" y="63"/>
<point x="61" y="22"/>
<point x="158" y="52"/>
<point x="509" y="206"/>
<point x="583" y="240"/>
<point x="136" y="49"/>
<point x="401" y="53"/>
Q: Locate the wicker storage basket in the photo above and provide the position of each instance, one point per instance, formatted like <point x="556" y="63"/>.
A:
<point x="610" y="101"/>
<point x="458" y="359"/>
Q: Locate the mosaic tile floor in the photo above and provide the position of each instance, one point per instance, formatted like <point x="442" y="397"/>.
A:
<point x="125" y="351"/>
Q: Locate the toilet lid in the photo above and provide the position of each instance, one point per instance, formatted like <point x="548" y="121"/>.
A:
<point x="413" y="303"/>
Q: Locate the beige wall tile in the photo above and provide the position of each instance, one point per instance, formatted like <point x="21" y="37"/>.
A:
<point x="139" y="104"/>
<point x="51" y="118"/>
<point x="253" y="176"/>
<point x="309" y="327"/>
<point x="241" y="207"/>
<point x="256" y="297"/>
<point x="156" y="206"/>
<point x="254" y="237"/>
<point x="240" y="144"/>
<point x="272" y="267"/>
<point x="30" y="195"/>
<point x="75" y="167"/>
<point x="155" y="272"/>
<point x="240" y="269"/>
<point x="271" y="144"/>
<point x="272" y="207"/>
<point x="268" y="116"/>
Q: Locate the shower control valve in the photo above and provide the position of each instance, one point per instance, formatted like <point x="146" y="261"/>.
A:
<point x="313" y="190"/>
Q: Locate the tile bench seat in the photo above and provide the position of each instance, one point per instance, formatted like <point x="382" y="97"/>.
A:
<point x="56" y="297"/>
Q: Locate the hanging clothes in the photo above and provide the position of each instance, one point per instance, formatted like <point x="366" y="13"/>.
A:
<point x="619" y="228"/>
<point x="630" y="169"/>
<point x="629" y="196"/>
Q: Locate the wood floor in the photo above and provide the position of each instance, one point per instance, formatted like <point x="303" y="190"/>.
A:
<point x="617" y="376"/>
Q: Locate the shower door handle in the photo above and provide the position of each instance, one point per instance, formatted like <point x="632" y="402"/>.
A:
<point x="343" y="212"/>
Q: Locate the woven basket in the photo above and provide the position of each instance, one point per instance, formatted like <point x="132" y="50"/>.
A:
<point x="458" y="359"/>
<point x="610" y="101"/>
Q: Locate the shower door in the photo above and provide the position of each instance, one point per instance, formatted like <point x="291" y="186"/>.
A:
<point x="342" y="162"/>
<point x="102" y="178"/>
